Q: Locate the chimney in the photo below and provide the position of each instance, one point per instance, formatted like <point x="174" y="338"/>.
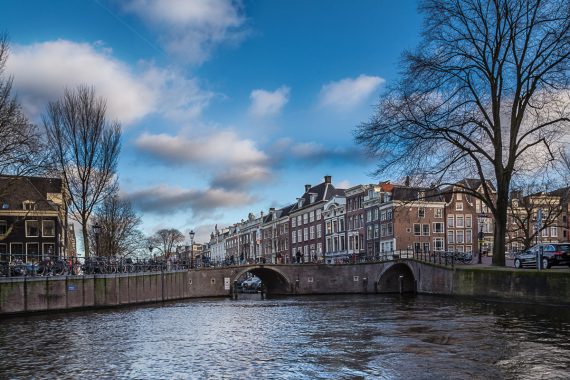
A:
<point x="307" y="187"/>
<point x="272" y="210"/>
<point x="328" y="179"/>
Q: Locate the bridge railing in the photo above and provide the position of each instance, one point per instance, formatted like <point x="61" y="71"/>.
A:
<point x="24" y="265"/>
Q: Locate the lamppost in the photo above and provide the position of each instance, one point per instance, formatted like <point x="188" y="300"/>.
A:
<point x="192" y="234"/>
<point x="150" y="248"/>
<point x="96" y="231"/>
<point x="481" y="220"/>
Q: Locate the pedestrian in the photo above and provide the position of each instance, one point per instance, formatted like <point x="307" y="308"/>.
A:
<point x="298" y="257"/>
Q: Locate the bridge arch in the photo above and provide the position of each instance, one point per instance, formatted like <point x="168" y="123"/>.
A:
<point x="275" y="281"/>
<point x="397" y="278"/>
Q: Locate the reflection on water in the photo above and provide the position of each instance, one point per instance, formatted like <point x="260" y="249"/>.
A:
<point x="373" y="336"/>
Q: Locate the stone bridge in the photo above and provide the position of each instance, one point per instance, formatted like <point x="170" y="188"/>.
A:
<point x="398" y="276"/>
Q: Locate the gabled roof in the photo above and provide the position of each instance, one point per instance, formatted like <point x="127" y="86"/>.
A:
<point x="16" y="190"/>
<point x="278" y="214"/>
<point x="320" y="193"/>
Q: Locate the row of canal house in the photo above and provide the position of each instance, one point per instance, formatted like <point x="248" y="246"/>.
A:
<point x="336" y="225"/>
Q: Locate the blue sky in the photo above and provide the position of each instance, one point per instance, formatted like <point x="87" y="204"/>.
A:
<point x="227" y="107"/>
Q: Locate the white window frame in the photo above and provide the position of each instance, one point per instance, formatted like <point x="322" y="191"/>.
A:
<point x="38" y="227"/>
<point x="43" y="230"/>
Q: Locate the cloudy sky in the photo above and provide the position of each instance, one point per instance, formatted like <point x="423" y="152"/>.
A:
<point x="227" y="107"/>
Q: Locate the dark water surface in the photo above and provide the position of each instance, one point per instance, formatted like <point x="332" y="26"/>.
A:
<point x="325" y="337"/>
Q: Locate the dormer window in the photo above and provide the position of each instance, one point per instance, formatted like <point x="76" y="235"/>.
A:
<point x="313" y="197"/>
<point x="421" y="194"/>
<point x="300" y="202"/>
<point x="29" y="205"/>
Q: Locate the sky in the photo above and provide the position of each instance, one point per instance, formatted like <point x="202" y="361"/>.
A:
<point x="226" y="107"/>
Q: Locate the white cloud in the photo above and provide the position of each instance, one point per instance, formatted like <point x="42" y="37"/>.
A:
<point x="349" y="92"/>
<point x="219" y="149"/>
<point x="191" y="29"/>
<point x="42" y="71"/>
<point x="343" y="184"/>
<point x="265" y="103"/>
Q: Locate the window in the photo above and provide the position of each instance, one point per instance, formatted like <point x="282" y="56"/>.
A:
<point x="421" y="212"/>
<point x="438" y="244"/>
<point x="299" y="220"/>
<point x="293" y="222"/>
<point x="3" y="227"/>
<point x="469" y="236"/>
<point x="545" y="232"/>
<point x="438" y="212"/>
<point x="375" y="213"/>
<point x="29" y="205"/>
<point x="376" y="234"/>
<point x="5" y="205"/>
<point x="383" y="230"/>
<point x="459" y="206"/>
<point x="425" y="230"/>
<point x="311" y="217"/>
<point x="459" y="237"/>
<point x="33" y="251"/>
<point x="437" y="227"/>
<point x="450" y="221"/>
<point x="294" y="237"/>
<point x="450" y="237"/>
<point x="468" y="248"/>
<point x="32" y="228"/>
<point x="48" y="228"/>
<point x="468" y="221"/>
<point x="459" y="196"/>
<point x="389" y="230"/>
<point x="459" y="221"/>
<point x="306" y="233"/>
<point x="312" y="232"/>
<point x="554" y="231"/>
<point x="305" y="218"/>
<point x="417" y="229"/>
<point x="369" y="232"/>
<point x="341" y="225"/>
<point x="389" y="214"/>
<point x="369" y="216"/>
<point x="300" y="235"/>
<point x="318" y="216"/>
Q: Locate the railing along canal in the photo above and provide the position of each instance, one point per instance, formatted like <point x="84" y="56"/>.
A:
<point x="24" y="265"/>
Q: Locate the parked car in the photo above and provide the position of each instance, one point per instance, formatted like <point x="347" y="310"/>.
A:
<point x="252" y="283"/>
<point x="552" y="254"/>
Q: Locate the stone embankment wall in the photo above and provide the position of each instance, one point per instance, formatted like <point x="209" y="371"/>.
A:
<point x="33" y="294"/>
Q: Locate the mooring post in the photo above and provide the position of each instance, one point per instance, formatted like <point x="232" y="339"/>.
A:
<point x="401" y="281"/>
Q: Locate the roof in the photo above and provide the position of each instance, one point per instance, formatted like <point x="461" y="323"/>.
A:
<point x="16" y="190"/>
<point x="320" y="193"/>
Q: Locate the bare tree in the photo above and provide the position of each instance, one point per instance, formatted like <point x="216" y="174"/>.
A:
<point x="120" y="235"/>
<point x="86" y="148"/>
<point x="165" y="240"/>
<point x="21" y="149"/>
<point x="483" y="96"/>
<point x="523" y="214"/>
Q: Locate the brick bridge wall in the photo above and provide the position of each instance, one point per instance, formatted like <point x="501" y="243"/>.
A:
<point x="23" y="295"/>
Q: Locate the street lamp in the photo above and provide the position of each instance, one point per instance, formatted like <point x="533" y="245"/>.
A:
<point x="481" y="220"/>
<point x="192" y="234"/>
<point x="96" y="231"/>
<point x="150" y="248"/>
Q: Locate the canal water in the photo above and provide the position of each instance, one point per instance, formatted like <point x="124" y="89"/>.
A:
<point x="312" y="337"/>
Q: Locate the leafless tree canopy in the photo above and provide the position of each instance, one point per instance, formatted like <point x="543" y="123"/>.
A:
<point x="485" y="95"/>
<point x="165" y="240"/>
<point x="120" y="235"/>
<point x="86" y="148"/>
<point x="21" y="147"/>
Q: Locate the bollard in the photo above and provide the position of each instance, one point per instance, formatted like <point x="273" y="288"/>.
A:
<point x="235" y="293"/>
<point x="401" y="281"/>
<point x="365" y="284"/>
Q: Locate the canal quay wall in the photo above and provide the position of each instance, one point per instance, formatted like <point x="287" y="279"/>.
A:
<point x="40" y="294"/>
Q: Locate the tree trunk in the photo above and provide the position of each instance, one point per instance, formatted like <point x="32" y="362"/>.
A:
<point x="85" y="239"/>
<point x="500" y="230"/>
